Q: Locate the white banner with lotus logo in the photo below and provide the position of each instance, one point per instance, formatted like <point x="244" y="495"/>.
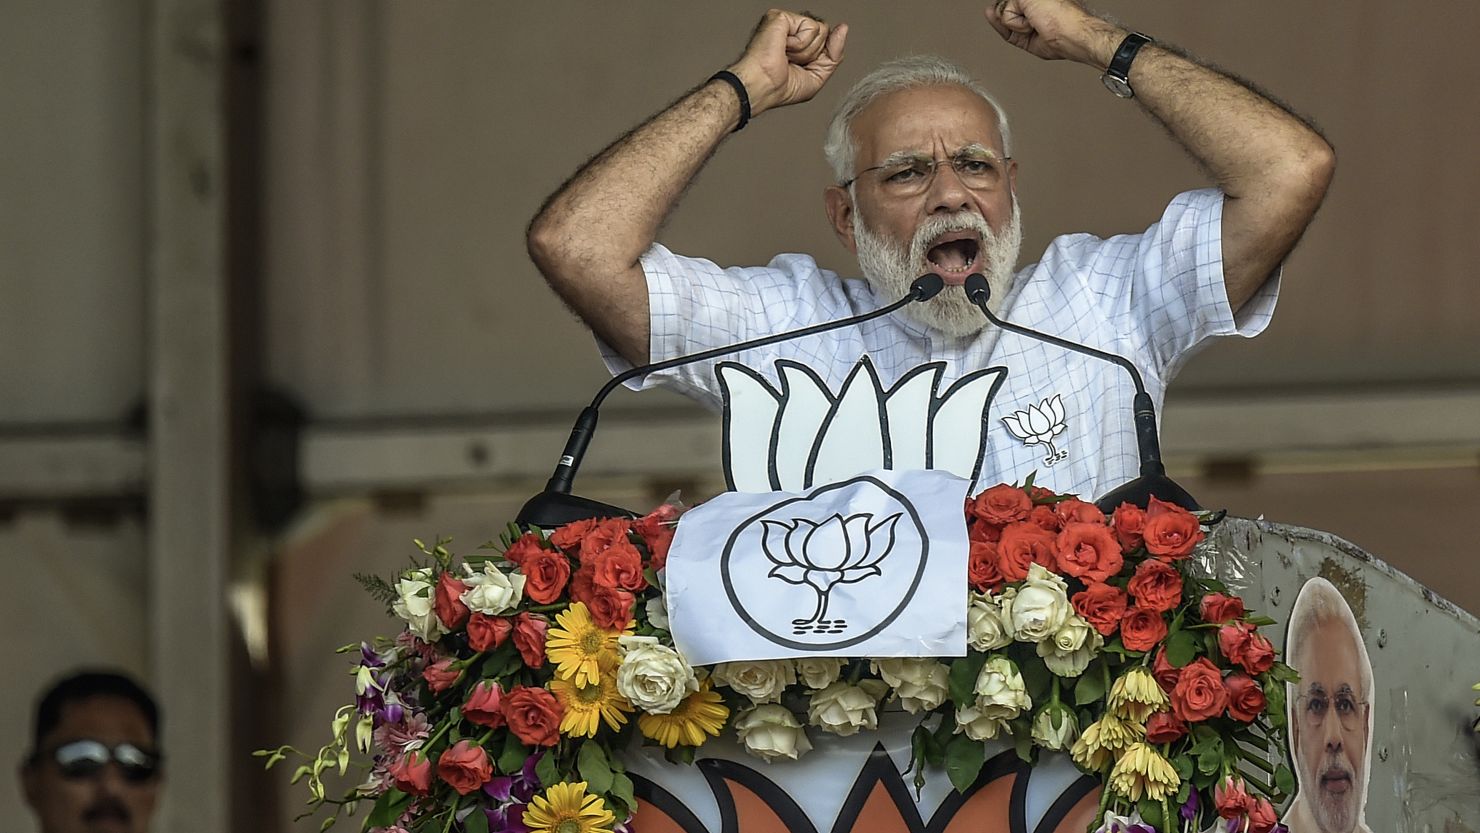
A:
<point x="873" y="566"/>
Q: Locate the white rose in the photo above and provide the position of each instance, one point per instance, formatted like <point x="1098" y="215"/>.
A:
<point x="491" y="591"/>
<point x="1050" y="736"/>
<point x="414" y="604"/>
<point x="845" y="709"/>
<point x="762" y="681"/>
<point x="920" y="684"/>
<point x="657" y="612"/>
<point x="771" y="732"/>
<point x="819" y="672"/>
<point x="653" y="676"/>
<point x="978" y="726"/>
<point x="1000" y="692"/>
<point x="1041" y="605"/>
<point x="1068" y="653"/>
<point x="988" y="620"/>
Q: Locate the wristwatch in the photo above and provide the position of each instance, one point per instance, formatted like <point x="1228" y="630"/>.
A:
<point x="1117" y="77"/>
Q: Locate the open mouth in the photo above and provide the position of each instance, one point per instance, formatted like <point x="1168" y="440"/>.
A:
<point x="953" y="256"/>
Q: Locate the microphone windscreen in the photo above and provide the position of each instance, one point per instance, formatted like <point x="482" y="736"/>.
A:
<point x="927" y="286"/>
<point x="977" y="288"/>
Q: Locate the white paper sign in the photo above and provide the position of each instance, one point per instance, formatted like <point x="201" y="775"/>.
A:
<point x="873" y="566"/>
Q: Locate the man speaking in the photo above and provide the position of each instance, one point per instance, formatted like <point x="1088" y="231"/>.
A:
<point x="926" y="182"/>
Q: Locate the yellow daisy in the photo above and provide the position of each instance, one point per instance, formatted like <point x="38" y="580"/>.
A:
<point x="579" y="648"/>
<point x="1142" y="771"/>
<point x="700" y="715"/>
<point x="1104" y="740"/>
<point x="1136" y="695"/>
<point x="566" y="808"/>
<point x="587" y="705"/>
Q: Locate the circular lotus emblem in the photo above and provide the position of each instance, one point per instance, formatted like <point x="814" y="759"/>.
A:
<point x="805" y="576"/>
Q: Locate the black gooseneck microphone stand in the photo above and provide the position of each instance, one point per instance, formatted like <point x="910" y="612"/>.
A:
<point x="1153" y="481"/>
<point x="556" y="506"/>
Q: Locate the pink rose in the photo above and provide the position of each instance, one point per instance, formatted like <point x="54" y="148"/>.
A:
<point x="448" y="604"/>
<point x="529" y="638"/>
<point x="484" y="705"/>
<point x="1245" y="698"/>
<point x="440" y="675"/>
<point x="412" y="774"/>
<point x="487" y="632"/>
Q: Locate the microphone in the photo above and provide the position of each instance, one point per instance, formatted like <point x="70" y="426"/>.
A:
<point x="1153" y="481"/>
<point x="556" y="506"/>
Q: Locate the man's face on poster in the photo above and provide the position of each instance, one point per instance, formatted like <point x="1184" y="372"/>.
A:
<point x="1330" y="727"/>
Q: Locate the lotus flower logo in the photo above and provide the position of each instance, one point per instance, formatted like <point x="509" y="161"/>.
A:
<point x="1039" y="424"/>
<point x="804" y="434"/>
<point x="823" y="555"/>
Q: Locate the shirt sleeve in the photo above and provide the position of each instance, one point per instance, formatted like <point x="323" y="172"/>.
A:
<point x="1164" y="290"/>
<point x="695" y="305"/>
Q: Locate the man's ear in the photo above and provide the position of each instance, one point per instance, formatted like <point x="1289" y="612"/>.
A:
<point x="840" y="209"/>
<point x="29" y="787"/>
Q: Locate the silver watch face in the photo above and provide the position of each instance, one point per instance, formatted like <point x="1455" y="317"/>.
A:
<point x="1119" y="86"/>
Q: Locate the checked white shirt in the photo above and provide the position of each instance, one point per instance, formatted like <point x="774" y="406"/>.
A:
<point x="1154" y="298"/>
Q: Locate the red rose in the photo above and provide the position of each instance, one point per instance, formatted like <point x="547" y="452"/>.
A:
<point x="440" y="675"/>
<point x="1102" y="605"/>
<point x="534" y="716"/>
<point x="1241" y="644"/>
<point x="619" y="567"/>
<point x="545" y="572"/>
<point x="1002" y="504"/>
<point x="609" y="608"/>
<point x="1023" y="544"/>
<point x="484" y="705"/>
<point x="981" y="568"/>
<point x="465" y="766"/>
<point x="412" y="774"/>
<point x="1245" y="697"/>
<point x="656" y="529"/>
<point x="526" y="545"/>
<point x="1142" y="628"/>
<point x="1199" y="693"/>
<point x="1165" y="673"/>
<point x="1044" y="517"/>
<point x="1170" y="531"/>
<point x="984" y="532"/>
<point x="1216" y="608"/>
<point x="602" y="537"/>
<point x="1077" y="511"/>
<point x="1258" y="654"/>
<point x="450" y="608"/>
<point x="1088" y="551"/>
<point x="1262" y="818"/>
<point x="1129" y="521"/>
<point x="570" y="536"/>
<point x="1156" y="585"/>
<point x="1040" y="494"/>
<point x="1231" y="798"/>
<point x="1164" y="727"/>
<point x="529" y="638"/>
<point x="487" y="632"/>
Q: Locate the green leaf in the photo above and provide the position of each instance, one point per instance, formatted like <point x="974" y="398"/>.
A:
<point x="964" y="760"/>
<point x="1183" y="765"/>
<point x="621" y="791"/>
<point x="963" y="678"/>
<point x="1089" y="689"/>
<point x="1150" y="812"/>
<point x="387" y="808"/>
<point x="1036" y="679"/>
<point x="476" y="822"/>
<point x="513" y="756"/>
<point x="1284" y="779"/>
<point x="1181" y="648"/>
<point x="546" y="770"/>
<point x="1260" y="621"/>
<point x="595" y="767"/>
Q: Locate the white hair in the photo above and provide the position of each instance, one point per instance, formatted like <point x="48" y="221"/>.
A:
<point x="899" y="74"/>
<point x="1319" y="603"/>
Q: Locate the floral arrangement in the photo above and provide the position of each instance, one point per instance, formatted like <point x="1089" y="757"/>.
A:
<point x="524" y="670"/>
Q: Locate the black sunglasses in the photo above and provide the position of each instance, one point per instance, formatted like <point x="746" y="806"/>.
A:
<point x="86" y="758"/>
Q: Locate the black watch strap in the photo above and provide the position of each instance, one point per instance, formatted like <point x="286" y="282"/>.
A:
<point x="1118" y="75"/>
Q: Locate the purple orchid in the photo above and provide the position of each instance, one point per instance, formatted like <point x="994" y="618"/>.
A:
<point x="1190" y="808"/>
<point x="506" y="819"/>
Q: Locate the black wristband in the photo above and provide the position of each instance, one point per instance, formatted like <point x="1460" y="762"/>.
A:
<point x="734" y="81"/>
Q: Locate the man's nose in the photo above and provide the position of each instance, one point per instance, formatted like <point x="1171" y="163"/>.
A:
<point x="948" y="193"/>
<point x="1332" y="731"/>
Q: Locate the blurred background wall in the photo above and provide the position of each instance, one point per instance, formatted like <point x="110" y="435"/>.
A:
<point x="266" y="315"/>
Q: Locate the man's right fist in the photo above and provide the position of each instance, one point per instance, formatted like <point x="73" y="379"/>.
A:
<point x="788" y="59"/>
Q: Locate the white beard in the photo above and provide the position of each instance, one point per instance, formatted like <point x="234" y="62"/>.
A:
<point x="891" y="268"/>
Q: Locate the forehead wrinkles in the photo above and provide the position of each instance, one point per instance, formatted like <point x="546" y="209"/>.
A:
<point x="973" y="149"/>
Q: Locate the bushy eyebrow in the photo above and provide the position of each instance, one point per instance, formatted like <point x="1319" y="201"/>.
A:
<point x="902" y="157"/>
